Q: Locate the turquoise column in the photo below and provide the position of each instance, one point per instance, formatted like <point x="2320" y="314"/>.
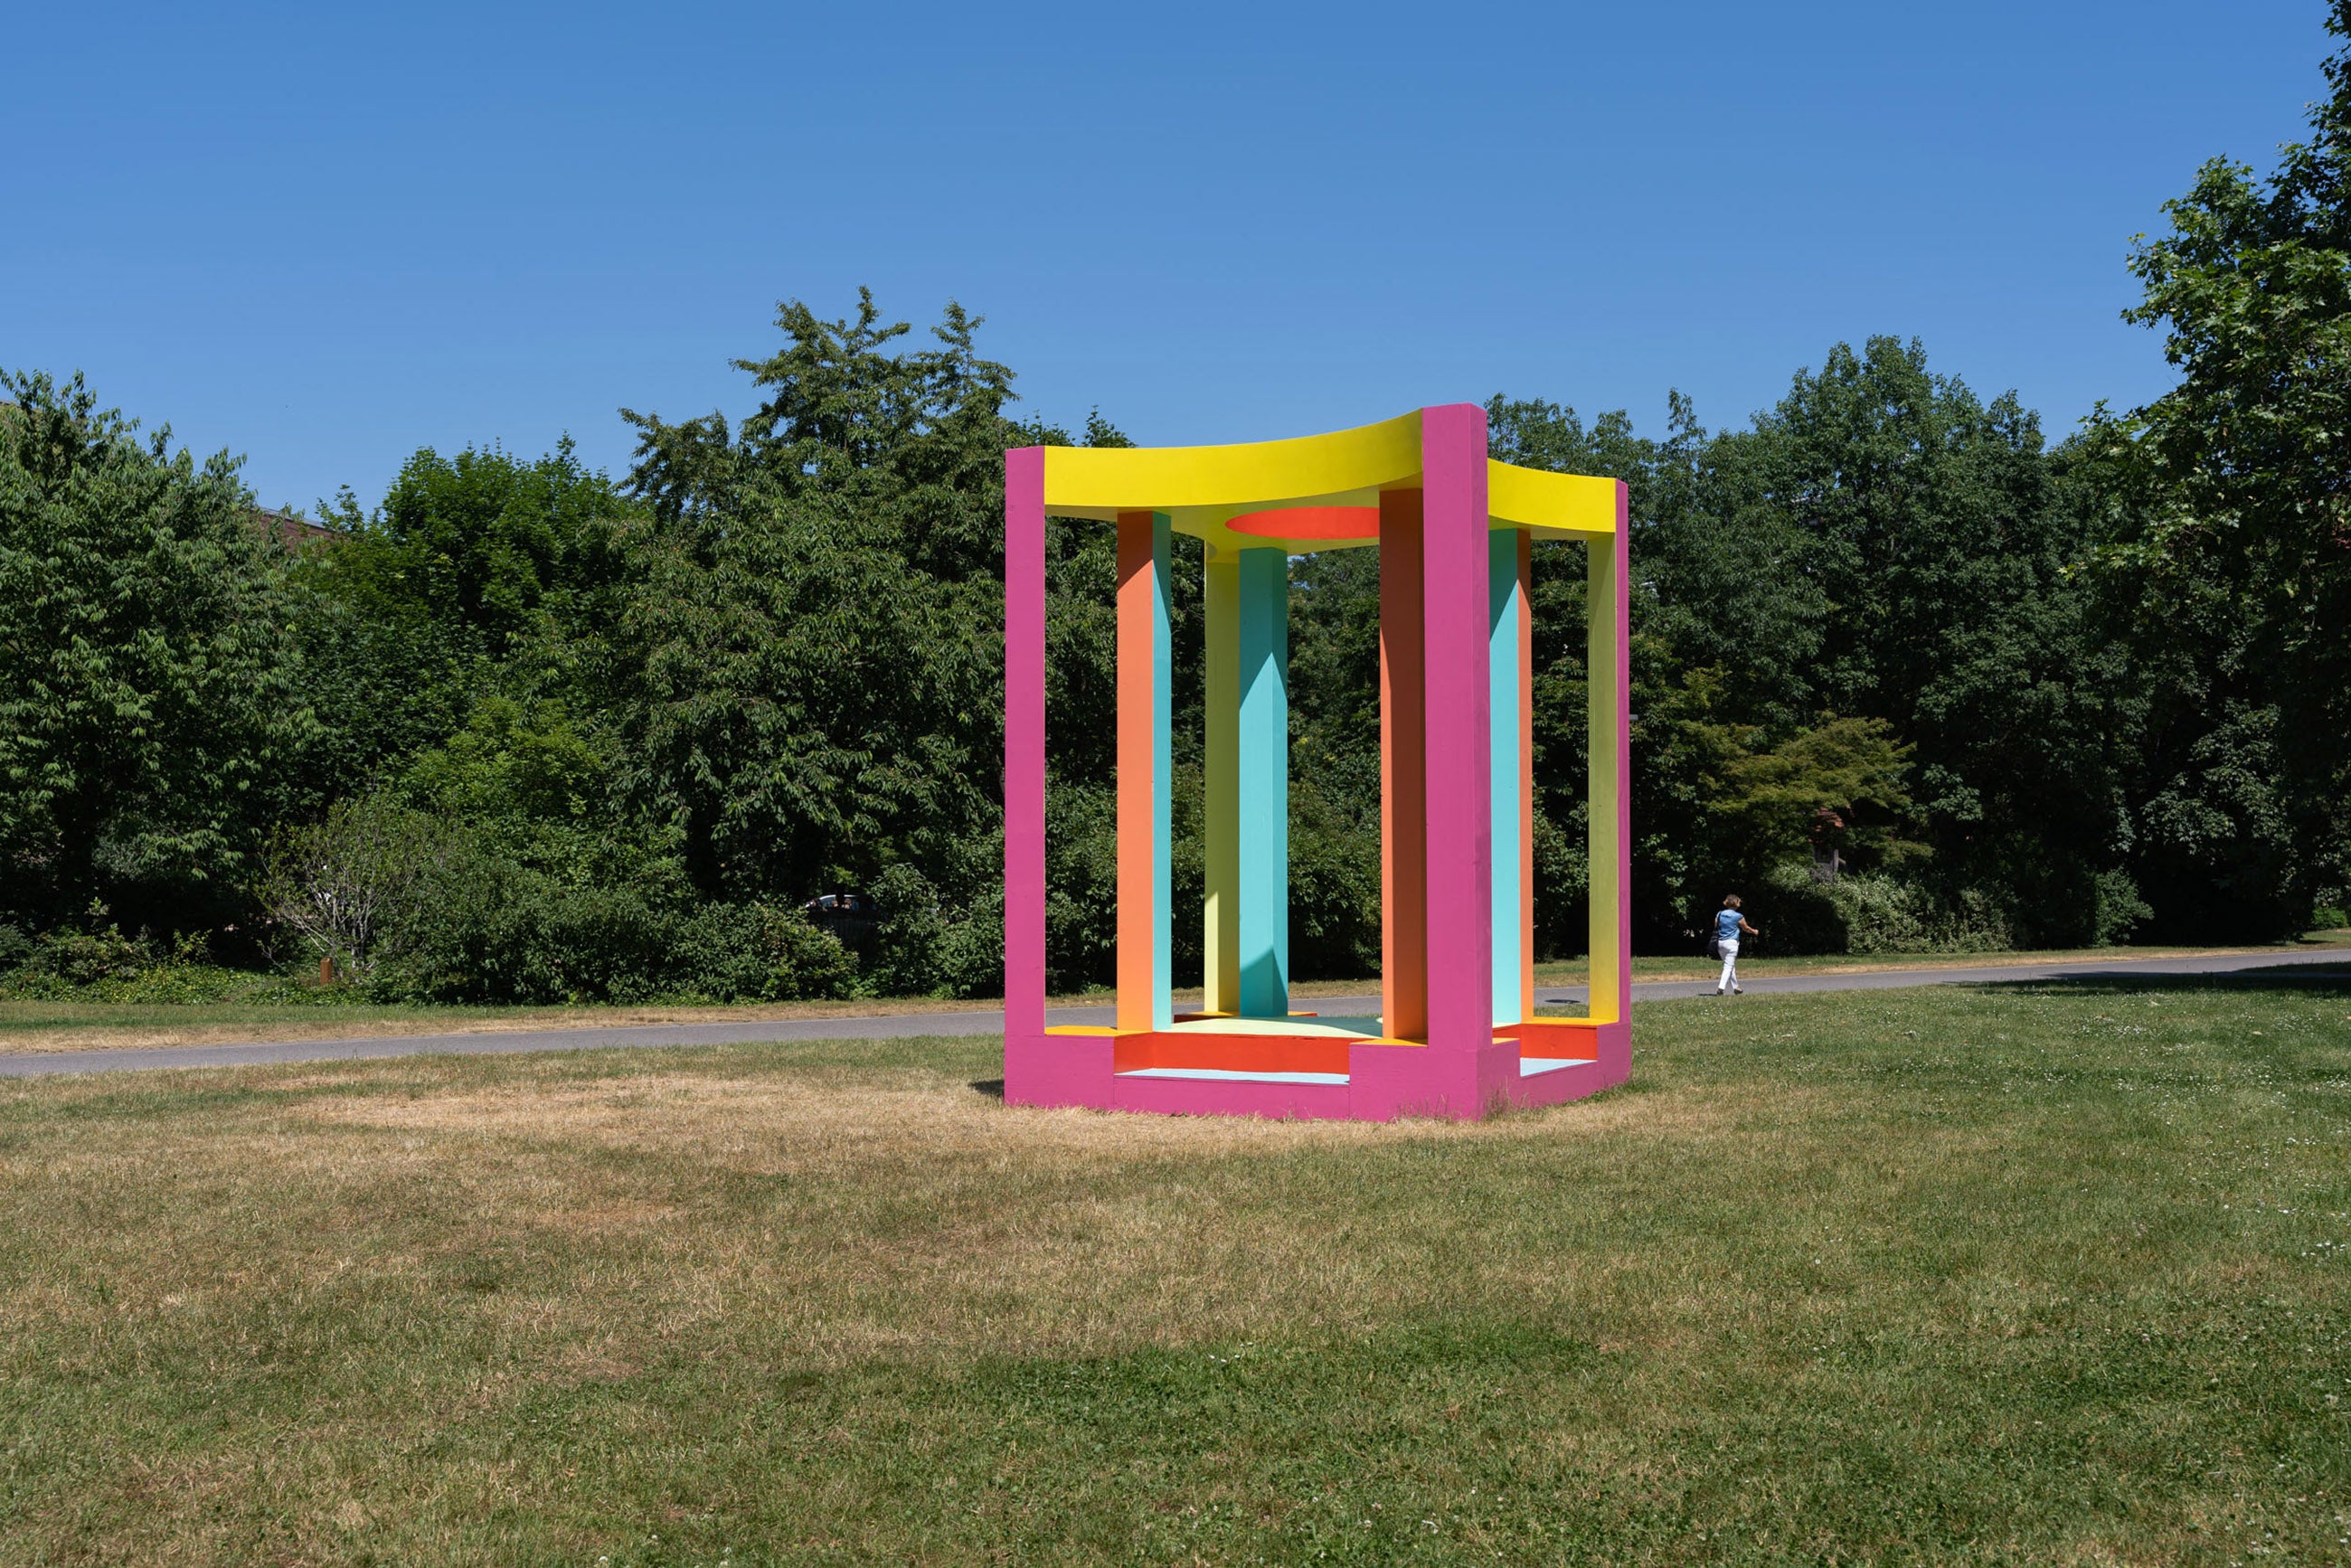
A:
<point x="1261" y="758"/>
<point x="1506" y="609"/>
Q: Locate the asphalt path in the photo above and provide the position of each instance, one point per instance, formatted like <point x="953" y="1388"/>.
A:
<point x="978" y="1021"/>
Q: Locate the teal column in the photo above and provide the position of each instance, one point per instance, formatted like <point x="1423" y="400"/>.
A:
<point x="1506" y="612"/>
<point x="1262" y="759"/>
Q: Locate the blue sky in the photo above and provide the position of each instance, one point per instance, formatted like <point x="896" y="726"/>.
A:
<point x="323" y="237"/>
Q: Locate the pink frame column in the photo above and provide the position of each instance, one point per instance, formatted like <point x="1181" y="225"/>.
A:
<point x="1024" y="746"/>
<point x="1038" y="1070"/>
<point x="1462" y="1071"/>
<point x="1454" y="661"/>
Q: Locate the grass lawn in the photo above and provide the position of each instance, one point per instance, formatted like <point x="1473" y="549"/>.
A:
<point x="2058" y="1274"/>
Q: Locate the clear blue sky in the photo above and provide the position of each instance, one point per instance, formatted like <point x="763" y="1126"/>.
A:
<point x="325" y="236"/>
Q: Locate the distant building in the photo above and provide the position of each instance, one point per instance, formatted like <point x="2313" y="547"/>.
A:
<point x="291" y="528"/>
<point x="283" y="524"/>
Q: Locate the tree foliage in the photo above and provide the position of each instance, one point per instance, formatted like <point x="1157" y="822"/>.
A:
<point x="806" y="673"/>
<point x="149" y="684"/>
<point x="2225" y="512"/>
<point x="1880" y="558"/>
<point x="340" y="884"/>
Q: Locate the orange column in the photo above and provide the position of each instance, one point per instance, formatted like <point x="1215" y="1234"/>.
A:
<point x="1143" y="781"/>
<point x="1403" y="773"/>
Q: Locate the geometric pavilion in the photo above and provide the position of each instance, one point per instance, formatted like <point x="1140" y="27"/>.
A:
<point x="1456" y="1035"/>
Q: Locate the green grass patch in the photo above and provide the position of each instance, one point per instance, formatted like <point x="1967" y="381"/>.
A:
<point x="2020" y="1274"/>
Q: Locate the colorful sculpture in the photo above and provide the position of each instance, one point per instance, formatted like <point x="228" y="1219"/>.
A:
<point x="1456" y="1035"/>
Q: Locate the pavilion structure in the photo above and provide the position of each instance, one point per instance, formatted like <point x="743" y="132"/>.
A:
<point x="1456" y="1035"/>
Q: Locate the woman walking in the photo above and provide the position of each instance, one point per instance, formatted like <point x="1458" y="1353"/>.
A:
<point x="1728" y="927"/>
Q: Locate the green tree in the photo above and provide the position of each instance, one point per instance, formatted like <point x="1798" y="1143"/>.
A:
<point x="1929" y="524"/>
<point x="340" y="884"/>
<point x="465" y="578"/>
<point x="483" y="544"/>
<point x="1882" y="546"/>
<point x="148" y="686"/>
<point x="807" y="672"/>
<point x="1839" y="784"/>
<point x="2225" y="504"/>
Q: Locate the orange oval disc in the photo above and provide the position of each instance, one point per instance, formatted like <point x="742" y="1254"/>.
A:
<point x="1310" y="523"/>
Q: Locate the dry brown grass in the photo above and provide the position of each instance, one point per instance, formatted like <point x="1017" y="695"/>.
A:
<point x="92" y="1026"/>
<point x="1090" y="1265"/>
<point x="50" y="1026"/>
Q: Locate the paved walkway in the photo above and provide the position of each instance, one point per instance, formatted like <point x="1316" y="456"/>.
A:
<point x="899" y="1025"/>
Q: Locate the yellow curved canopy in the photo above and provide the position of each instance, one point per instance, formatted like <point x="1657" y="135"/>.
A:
<point x="1201" y="488"/>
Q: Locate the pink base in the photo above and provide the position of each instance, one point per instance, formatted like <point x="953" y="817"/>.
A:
<point x="1058" y="1070"/>
<point x="1383" y="1082"/>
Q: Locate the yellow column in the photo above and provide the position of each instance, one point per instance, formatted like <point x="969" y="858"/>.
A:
<point x="1221" y="943"/>
<point x="1608" y="761"/>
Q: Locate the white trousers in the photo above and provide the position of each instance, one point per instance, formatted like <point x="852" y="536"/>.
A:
<point x="1729" y="967"/>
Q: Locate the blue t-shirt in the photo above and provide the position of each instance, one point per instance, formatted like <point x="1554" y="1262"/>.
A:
<point x="1726" y="925"/>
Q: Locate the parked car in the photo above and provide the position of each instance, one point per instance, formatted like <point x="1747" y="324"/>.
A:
<point x="851" y="916"/>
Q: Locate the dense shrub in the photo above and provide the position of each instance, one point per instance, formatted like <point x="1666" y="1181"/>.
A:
<point x="90" y="955"/>
<point x="339" y="884"/>
<point x="922" y="947"/>
<point x="903" y="959"/>
<point x="1081" y="886"/>
<point x="2120" y="911"/>
<point x="95" y="962"/>
<point x="971" y="948"/>
<point x="1335" y="890"/>
<point x="172" y="981"/>
<point x="487" y="929"/>
<point x="1873" y="914"/>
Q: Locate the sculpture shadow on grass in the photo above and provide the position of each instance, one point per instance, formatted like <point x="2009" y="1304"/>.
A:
<point x="2322" y="978"/>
